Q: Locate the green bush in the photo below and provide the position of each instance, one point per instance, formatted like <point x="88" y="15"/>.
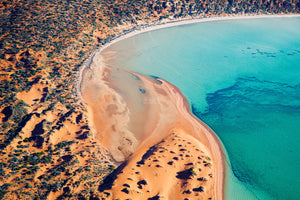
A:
<point x="3" y="189"/>
<point x="111" y="167"/>
<point x="193" y="171"/>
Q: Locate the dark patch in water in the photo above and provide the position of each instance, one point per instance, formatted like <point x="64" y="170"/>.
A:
<point x="250" y="90"/>
<point x="227" y="109"/>
<point x="143" y="91"/>
<point x="154" y="77"/>
<point x="270" y="54"/>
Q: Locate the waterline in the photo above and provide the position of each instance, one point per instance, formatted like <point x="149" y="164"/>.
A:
<point x="212" y="62"/>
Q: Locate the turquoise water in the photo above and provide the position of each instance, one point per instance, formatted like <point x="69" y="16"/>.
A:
<point x="242" y="78"/>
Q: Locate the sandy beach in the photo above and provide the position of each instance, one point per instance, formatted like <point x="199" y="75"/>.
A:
<point x="167" y="23"/>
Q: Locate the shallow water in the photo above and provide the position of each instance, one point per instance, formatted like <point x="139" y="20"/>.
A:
<point x="242" y="78"/>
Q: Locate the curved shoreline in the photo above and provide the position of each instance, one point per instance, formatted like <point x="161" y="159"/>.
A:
<point x="153" y="27"/>
<point x="174" y="118"/>
<point x="167" y="24"/>
<point x="213" y="139"/>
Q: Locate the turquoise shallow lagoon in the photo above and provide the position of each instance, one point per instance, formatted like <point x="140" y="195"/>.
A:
<point x="242" y="78"/>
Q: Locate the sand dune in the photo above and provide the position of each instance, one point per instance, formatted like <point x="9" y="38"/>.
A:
<point x="177" y="167"/>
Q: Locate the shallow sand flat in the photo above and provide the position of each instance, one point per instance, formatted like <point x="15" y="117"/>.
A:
<point x="167" y="113"/>
<point x="108" y="112"/>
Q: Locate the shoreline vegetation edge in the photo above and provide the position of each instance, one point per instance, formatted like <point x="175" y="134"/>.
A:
<point x="167" y="23"/>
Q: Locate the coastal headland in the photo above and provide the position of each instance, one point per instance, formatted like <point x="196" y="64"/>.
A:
<point x="50" y="146"/>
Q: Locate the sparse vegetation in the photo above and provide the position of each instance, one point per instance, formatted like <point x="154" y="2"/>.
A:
<point x="42" y="46"/>
<point x="3" y="189"/>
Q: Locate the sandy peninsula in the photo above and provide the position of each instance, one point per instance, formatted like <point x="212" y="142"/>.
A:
<point x="161" y="146"/>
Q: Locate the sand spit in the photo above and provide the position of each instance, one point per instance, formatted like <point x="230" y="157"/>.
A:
<point x="167" y="117"/>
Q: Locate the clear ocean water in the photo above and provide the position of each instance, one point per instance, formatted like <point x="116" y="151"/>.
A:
<point x="242" y="78"/>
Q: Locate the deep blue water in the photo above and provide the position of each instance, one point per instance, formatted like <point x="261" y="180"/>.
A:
<point x="242" y="78"/>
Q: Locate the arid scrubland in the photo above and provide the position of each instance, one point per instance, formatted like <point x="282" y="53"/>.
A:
<point x="47" y="148"/>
